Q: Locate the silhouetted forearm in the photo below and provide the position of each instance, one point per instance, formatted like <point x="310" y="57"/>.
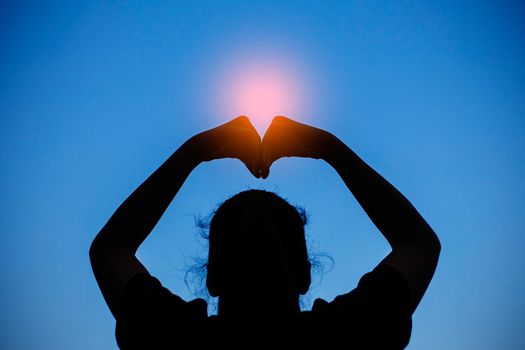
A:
<point x="389" y="210"/>
<point x="136" y="217"/>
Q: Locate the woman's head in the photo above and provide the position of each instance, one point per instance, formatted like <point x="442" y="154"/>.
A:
<point x="257" y="247"/>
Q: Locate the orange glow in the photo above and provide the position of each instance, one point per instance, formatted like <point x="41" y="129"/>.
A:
<point x="261" y="89"/>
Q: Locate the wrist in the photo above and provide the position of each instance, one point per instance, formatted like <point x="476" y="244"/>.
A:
<point x="190" y="152"/>
<point x="333" y="148"/>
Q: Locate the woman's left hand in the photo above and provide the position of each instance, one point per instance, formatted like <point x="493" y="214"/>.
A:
<point x="235" y="139"/>
<point x="287" y="138"/>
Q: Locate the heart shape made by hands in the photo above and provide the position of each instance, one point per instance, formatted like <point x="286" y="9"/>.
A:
<point x="283" y="138"/>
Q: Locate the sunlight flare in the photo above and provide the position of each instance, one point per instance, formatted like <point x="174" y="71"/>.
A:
<point x="261" y="89"/>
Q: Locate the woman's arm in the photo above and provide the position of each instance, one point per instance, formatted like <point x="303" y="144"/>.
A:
<point x="112" y="252"/>
<point x="415" y="246"/>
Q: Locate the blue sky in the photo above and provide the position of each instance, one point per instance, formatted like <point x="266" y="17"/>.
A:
<point x="95" y="95"/>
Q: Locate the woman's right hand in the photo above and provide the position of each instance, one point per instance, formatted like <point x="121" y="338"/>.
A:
<point x="288" y="138"/>
<point x="235" y="139"/>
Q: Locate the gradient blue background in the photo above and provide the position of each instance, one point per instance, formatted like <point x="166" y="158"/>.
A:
<point x="94" y="96"/>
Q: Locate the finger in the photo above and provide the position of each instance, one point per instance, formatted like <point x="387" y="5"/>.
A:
<point x="241" y="120"/>
<point x="251" y="163"/>
<point x="254" y="158"/>
<point x="265" y="171"/>
<point x="258" y="158"/>
<point x="250" y="151"/>
<point x="275" y="121"/>
<point x="244" y="121"/>
<point x="281" y="119"/>
<point x="265" y="166"/>
<point x="267" y="156"/>
<point x="256" y="155"/>
<point x="255" y="172"/>
<point x="274" y="144"/>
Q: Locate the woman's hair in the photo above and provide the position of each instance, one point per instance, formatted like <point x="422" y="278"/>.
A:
<point x="255" y="234"/>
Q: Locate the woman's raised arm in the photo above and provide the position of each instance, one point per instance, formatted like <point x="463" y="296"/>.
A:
<point x="112" y="252"/>
<point x="415" y="246"/>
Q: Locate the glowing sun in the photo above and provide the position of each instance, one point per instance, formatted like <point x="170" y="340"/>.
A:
<point x="261" y="89"/>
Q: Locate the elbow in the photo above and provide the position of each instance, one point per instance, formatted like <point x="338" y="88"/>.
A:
<point x="429" y="243"/>
<point x="438" y="248"/>
<point x="104" y="247"/>
<point x="436" y="244"/>
<point x="94" y="250"/>
<point x="428" y="238"/>
<point x="424" y="239"/>
<point x="433" y="246"/>
<point x="97" y="249"/>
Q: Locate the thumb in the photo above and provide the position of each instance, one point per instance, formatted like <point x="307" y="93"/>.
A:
<point x="266" y="162"/>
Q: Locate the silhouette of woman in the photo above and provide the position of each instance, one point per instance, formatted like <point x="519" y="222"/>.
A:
<point x="258" y="263"/>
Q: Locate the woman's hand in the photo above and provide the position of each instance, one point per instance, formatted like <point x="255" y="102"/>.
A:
<point x="288" y="138"/>
<point x="235" y="139"/>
